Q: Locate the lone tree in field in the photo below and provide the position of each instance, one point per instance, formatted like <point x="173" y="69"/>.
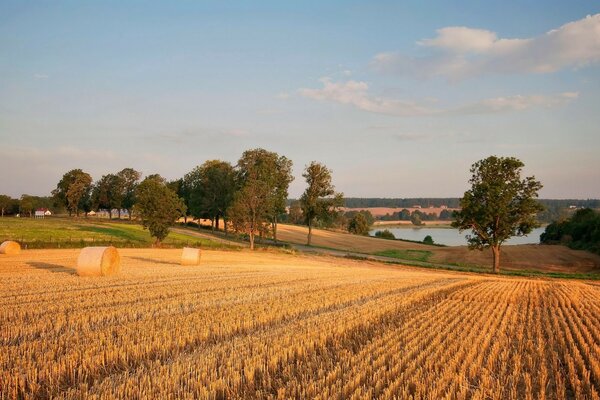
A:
<point x="73" y="190"/>
<point x="158" y="207"/>
<point x="319" y="200"/>
<point x="499" y="204"/>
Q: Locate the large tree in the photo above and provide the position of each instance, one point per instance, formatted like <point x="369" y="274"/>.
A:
<point x="109" y="193"/>
<point x="130" y="178"/>
<point x="73" y="190"/>
<point x="499" y="205"/>
<point x="158" y="207"/>
<point x="263" y="178"/>
<point x="210" y="188"/>
<point x="319" y="200"/>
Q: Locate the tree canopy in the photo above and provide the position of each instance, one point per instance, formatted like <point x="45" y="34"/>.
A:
<point x="499" y="204"/>
<point x="157" y="206"/>
<point x="319" y="200"/>
<point x="73" y="190"/>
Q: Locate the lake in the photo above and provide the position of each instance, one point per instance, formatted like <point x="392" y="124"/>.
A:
<point x="451" y="237"/>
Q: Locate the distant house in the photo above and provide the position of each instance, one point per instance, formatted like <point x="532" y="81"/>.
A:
<point x="91" y="213"/>
<point x="42" y="213"/>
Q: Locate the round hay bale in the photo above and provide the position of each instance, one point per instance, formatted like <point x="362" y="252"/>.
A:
<point x="10" y="248"/>
<point x="190" y="256"/>
<point x="98" y="261"/>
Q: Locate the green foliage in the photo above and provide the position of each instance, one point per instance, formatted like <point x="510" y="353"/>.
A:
<point x="385" y="234"/>
<point x="209" y="190"/>
<point x="413" y="255"/>
<point x="158" y="207"/>
<point x="415" y="218"/>
<point x="5" y="204"/>
<point x="73" y="190"/>
<point x="499" y="204"/>
<point x="428" y="239"/>
<point x="295" y="215"/>
<point x="582" y="231"/>
<point x="263" y="178"/>
<point x="319" y="200"/>
<point x="130" y="179"/>
<point x="359" y="225"/>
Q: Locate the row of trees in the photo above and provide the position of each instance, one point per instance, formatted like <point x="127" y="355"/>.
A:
<point x="250" y="196"/>
<point x="581" y="231"/>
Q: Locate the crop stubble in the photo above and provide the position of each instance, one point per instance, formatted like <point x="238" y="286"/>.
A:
<point x="282" y="326"/>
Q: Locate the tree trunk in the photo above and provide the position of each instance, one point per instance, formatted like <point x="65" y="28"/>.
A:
<point x="496" y="252"/>
<point x="110" y="213"/>
<point x="119" y="213"/>
<point x="217" y="222"/>
<point x="2" y="212"/>
<point x="275" y="229"/>
<point x="129" y="213"/>
<point x="309" y="233"/>
<point x="225" y="225"/>
<point x="212" y="224"/>
<point x="251" y="237"/>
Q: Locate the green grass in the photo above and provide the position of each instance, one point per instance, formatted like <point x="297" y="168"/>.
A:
<point x="413" y="255"/>
<point x="70" y="232"/>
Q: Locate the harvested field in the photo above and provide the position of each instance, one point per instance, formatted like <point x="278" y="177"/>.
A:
<point x="273" y="325"/>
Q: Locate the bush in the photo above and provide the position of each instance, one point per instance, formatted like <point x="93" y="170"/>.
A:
<point x="385" y="234"/>
<point x="428" y="240"/>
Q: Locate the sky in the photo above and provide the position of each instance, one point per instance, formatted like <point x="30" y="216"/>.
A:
<point x="398" y="99"/>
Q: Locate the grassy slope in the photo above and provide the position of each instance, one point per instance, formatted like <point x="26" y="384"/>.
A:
<point x="547" y="259"/>
<point x="64" y="232"/>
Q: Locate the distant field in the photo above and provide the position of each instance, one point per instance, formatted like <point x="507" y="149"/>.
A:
<point x="541" y="258"/>
<point x="271" y="325"/>
<point x="67" y="232"/>
<point x="381" y="211"/>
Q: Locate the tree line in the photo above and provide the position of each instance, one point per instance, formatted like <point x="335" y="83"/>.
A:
<point x="249" y="197"/>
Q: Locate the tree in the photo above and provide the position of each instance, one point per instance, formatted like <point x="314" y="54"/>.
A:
<point x="5" y="203"/>
<point x="295" y="213"/>
<point x="73" y="190"/>
<point x="158" y="207"/>
<point x="385" y="234"/>
<point x="211" y="187"/>
<point x="499" y="205"/>
<point x="319" y="200"/>
<point x="261" y="186"/>
<point x="359" y="224"/>
<point x="415" y="218"/>
<point x="130" y="178"/>
<point x="109" y="193"/>
<point x="428" y="239"/>
<point x="27" y="204"/>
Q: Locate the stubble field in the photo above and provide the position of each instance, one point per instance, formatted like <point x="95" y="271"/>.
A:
<point x="273" y="325"/>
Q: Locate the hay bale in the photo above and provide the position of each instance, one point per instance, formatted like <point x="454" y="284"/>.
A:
<point x="190" y="256"/>
<point x="98" y="261"/>
<point x="10" y="248"/>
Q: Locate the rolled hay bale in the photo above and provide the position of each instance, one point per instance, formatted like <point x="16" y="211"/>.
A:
<point x="10" y="248"/>
<point x="98" y="261"/>
<point x="190" y="256"/>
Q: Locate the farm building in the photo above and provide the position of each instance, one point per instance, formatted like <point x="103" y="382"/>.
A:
<point x="42" y="213"/>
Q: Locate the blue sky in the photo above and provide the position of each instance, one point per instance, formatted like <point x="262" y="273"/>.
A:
<point x="397" y="98"/>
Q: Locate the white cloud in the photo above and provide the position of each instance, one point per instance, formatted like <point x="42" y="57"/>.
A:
<point x="517" y="103"/>
<point x="355" y="93"/>
<point x="461" y="52"/>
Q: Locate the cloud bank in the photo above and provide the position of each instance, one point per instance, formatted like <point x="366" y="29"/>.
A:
<point x="356" y="94"/>
<point x="459" y="53"/>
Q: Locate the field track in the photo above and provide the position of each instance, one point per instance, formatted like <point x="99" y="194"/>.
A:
<point x="273" y="325"/>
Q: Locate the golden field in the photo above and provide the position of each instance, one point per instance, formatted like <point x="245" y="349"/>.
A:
<point x="275" y="325"/>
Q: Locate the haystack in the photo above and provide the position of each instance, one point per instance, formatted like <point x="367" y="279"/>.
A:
<point x="10" y="248"/>
<point x="98" y="261"/>
<point x="190" y="256"/>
